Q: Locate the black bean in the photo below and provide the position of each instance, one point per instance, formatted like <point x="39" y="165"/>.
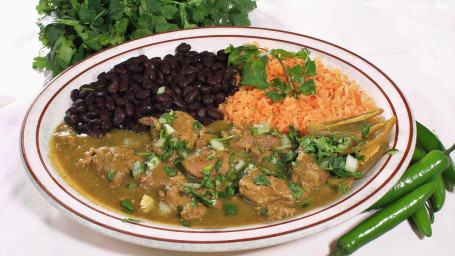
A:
<point x="214" y="113"/>
<point x="96" y="132"/>
<point x="106" y="125"/>
<point x="89" y="99"/>
<point x="189" y="70"/>
<point x="123" y="86"/>
<point x="232" y="81"/>
<point x="168" y="78"/>
<point x="187" y="89"/>
<point x="110" y="104"/>
<point x="183" y="47"/>
<point x="112" y="88"/>
<point x="208" y="99"/>
<point x="216" y="89"/>
<point x="105" y="115"/>
<point x="119" y="117"/>
<point x="74" y="94"/>
<point x="201" y="112"/>
<point x="220" y="98"/>
<point x="83" y="93"/>
<point x="129" y="109"/>
<point x="194" y="106"/>
<point x="178" y="102"/>
<point x="120" y="102"/>
<point x="162" y="98"/>
<point x="146" y="110"/>
<point x="184" y="81"/>
<point x="99" y="103"/>
<point x="165" y="67"/>
<point x="100" y="93"/>
<point x="190" y="96"/>
<point x="217" y="66"/>
<point x="204" y="89"/>
<point x="120" y="69"/>
<point x="81" y="109"/>
<point x="141" y="94"/>
<point x="93" y="114"/>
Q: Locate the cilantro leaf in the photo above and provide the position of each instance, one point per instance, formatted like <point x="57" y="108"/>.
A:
<point x="260" y="180"/>
<point x="126" y="206"/>
<point x="111" y="175"/>
<point x="365" y="129"/>
<point x="229" y="209"/>
<point x="296" y="191"/>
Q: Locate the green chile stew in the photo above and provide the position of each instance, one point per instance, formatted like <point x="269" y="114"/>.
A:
<point x="181" y="172"/>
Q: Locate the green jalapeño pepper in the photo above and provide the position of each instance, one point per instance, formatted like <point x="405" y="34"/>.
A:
<point x="422" y="220"/>
<point x="384" y="220"/>
<point x="433" y="164"/>
<point x="429" y="141"/>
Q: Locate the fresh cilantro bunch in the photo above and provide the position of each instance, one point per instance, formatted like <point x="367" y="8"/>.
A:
<point x="254" y="71"/>
<point x="73" y="30"/>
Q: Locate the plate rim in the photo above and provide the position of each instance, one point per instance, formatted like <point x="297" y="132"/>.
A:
<point x="404" y="160"/>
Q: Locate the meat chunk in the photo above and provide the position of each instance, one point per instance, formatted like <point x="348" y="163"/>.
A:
<point x="264" y="194"/>
<point x="278" y="210"/>
<point x="107" y="159"/>
<point x="264" y="143"/>
<point x="176" y="197"/>
<point x="307" y="173"/>
<point x="155" y="178"/>
<point x="200" y="159"/>
<point x="183" y="126"/>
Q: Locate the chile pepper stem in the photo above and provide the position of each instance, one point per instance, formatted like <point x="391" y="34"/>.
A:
<point x="449" y="150"/>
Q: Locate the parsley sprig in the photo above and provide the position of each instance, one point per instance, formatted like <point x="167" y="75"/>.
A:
<point x="254" y="60"/>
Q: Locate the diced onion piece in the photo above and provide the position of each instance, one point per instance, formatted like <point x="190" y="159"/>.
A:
<point x="161" y="90"/>
<point x="238" y="165"/>
<point x="147" y="203"/>
<point x="185" y="154"/>
<point x="154" y="162"/>
<point x="251" y="167"/>
<point x="160" y="142"/>
<point x="351" y="163"/>
<point x="191" y="185"/>
<point x="164" y="208"/>
<point x="218" y="146"/>
<point x="136" y="169"/>
<point x="169" y="129"/>
<point x="285" y="143"/>
<point x="262" y="128"/>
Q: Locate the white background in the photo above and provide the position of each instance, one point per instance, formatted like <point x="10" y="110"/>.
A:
<point x="413" y="42"/>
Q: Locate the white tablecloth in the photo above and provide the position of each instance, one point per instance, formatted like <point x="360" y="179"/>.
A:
<point x="413" y="42"/>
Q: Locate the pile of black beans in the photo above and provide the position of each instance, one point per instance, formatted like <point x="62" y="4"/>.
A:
<point x="187" y="81"/>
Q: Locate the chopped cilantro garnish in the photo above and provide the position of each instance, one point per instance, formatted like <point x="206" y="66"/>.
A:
<point x="260" y="180"/>
<point x="264" y="212"/>
<point x="391" y="151"/>
<point x="111" y="175"/>
<point x="199" y="196"/>
<point x="197" y="125"/>
<point x="171" y="172"/>
<point x="229" y="209"/>
<point x="296" y="191"/>
<point x="131" y="220"/>
<point x="126" y="206"/>
<point x="365" y="129"/>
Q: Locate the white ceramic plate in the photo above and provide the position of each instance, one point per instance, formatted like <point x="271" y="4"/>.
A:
<point x="47" y="111"/>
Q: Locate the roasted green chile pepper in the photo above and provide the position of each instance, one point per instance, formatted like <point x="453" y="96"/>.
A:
<point x="422" y="220"/>
<point x="429" y="141"/>
<point x="384" y="219"/>
<point x="433" y="164"/>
